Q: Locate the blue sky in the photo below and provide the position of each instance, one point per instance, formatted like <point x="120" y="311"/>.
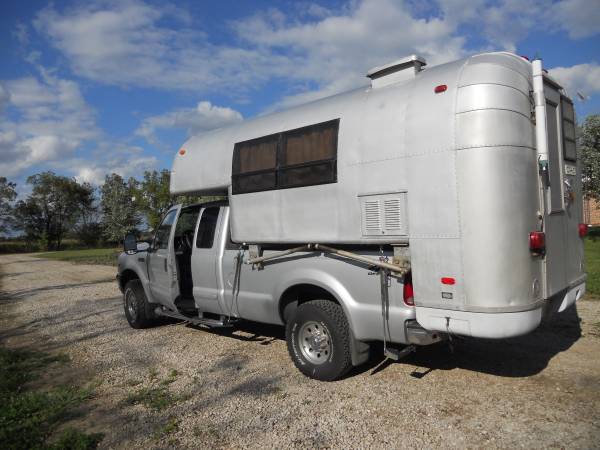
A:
<point x="89" y="88"/>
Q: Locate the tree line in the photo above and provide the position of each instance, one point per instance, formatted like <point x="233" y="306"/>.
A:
<point x="60" y="206"/>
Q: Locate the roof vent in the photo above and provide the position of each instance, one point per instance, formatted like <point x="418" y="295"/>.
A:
<point x="400" y="70"/>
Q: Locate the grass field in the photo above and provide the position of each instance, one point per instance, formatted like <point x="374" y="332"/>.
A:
<point x="592" y="266"/>
<point x="104" y="256"/>
<point x="33" y="417"/>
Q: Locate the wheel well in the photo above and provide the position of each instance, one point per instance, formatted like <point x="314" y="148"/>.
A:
<point x="301" y="293"/>
<point x="126" y="277"/>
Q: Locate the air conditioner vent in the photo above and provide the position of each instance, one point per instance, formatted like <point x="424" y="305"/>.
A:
<point x="384" y="214"/>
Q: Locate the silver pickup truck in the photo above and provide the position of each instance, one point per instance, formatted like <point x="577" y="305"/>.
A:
<point x="329" y="302"/>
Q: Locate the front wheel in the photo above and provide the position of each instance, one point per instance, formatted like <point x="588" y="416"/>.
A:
<point x="318" y="340"/>
<point x="139" y="312"/>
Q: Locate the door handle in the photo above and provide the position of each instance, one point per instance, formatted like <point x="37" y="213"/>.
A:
<point x="165" y="261"/>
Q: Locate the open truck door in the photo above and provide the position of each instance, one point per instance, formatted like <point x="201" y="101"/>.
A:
<point x="162" y="267"/>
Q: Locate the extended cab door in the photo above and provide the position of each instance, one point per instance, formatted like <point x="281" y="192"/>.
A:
<point x="205" y="257"/>
<point x="162" y="270"/>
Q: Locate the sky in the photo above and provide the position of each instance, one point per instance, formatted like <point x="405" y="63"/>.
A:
<point x="100" y="86"/>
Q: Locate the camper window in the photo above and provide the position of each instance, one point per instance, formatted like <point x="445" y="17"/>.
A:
<point x="301" y="157"/>
<point x="308" y="156"/>
<point x="568" y="129"/>
<point x="207" y="227"/>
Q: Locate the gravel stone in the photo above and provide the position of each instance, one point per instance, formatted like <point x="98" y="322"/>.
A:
<point x="239" y="389"/>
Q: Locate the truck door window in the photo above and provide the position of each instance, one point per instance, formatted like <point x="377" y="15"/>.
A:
<point x="161" y="239"/>
<point x="207" y="228"/>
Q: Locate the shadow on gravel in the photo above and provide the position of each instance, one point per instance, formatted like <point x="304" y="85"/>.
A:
<point x="20" y="295"/>
<point x="514" y="357"/>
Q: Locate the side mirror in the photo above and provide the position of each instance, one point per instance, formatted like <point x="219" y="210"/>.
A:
<point x="130" y="243"/>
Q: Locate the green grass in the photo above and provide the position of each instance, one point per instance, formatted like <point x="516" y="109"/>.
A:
<point x="156" y="395"/>
<point x="592" y="265"/>
<point x="29" y="417"/>
<point x="22" y="246"/>
<point x="104" y="256"/>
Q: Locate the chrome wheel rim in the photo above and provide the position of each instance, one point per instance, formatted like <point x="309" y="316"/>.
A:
<point x="314" y="342"/>
<point x="131" y="305"/>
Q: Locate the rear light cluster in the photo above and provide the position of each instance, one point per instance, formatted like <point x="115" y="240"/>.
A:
<point x="537" y="242"/>
<point x="583" y="230"/>
<point x="408" y="295"/>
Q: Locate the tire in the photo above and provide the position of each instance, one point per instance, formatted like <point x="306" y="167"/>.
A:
<point x="318" y="340"/>
<point x="139" y="313"/>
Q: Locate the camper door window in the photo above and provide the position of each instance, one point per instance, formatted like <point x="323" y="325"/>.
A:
<point x="568" y="129"/>
<point x="302" y="157"/>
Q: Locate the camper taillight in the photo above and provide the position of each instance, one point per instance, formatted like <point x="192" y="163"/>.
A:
<point x="408" y="291"/>
<point x="537" y="242"/>
<point x="583" y="230"/>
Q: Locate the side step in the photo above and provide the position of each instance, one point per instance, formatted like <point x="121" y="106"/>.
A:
<point x="211" y="323"/>
<point x="396" y="355"/>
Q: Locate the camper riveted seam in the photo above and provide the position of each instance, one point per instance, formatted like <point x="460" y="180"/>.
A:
<point x="495" y="84"/>
<point x="458" y="210"/>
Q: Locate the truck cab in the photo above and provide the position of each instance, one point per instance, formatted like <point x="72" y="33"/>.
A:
<point x="193" y="271"/>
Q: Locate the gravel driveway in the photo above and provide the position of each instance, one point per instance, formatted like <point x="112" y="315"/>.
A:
<point x="239" y="388"/>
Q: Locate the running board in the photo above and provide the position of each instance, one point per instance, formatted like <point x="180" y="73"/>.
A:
<point x="211" y="323"/>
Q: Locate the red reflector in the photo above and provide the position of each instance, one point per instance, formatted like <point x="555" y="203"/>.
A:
<point x="583" y="230"/>
<point x="182" y="151"/>
<point x="537" y="241"/>
<point x="408" y="295"/>
<point x="448" y="280"/>
<point x="441" y="88"/>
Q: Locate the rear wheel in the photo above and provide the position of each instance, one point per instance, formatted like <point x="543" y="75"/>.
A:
<point x="139" y="312"/>
<point x="318" y="340"/>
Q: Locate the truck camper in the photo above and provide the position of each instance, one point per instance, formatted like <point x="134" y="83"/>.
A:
<point x="433" y="202"/>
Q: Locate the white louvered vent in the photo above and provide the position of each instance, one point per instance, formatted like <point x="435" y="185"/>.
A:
<point x="372" y="217"/>
<point x="384" y="214"/>
<point x="392" y="212"/>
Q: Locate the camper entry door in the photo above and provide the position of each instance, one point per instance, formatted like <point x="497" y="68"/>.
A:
<point x="564" y="249"/>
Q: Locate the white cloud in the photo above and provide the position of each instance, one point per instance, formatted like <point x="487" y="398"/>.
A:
<point x="335" y="52"/>
<point x="50" y="120"/>
<point x="4" y="97"/>
<point x="582" y="78"/>
<point x="110" y="158"/>
<point x="205" y="116"/>
<point x="127" y="43"/>
<point x="580" y="18"/>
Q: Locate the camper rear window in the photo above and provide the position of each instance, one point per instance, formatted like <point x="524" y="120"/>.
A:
<point x="303" y="157"/>
<point x="568" y="129"/>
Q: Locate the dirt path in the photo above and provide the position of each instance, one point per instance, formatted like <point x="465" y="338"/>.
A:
<point x="240" y="389"/>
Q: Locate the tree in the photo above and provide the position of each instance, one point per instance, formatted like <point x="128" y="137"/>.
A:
<point x="55" y="205"/>
<point x="119" y="208"/>
<point x="589" y="146"/>
<point x="7" y="196"/>
<point x="154" y="196"/>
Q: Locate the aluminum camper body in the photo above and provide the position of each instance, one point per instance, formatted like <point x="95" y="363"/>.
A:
<point x="460" y="168"/>
<point x="448" y="171"/>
